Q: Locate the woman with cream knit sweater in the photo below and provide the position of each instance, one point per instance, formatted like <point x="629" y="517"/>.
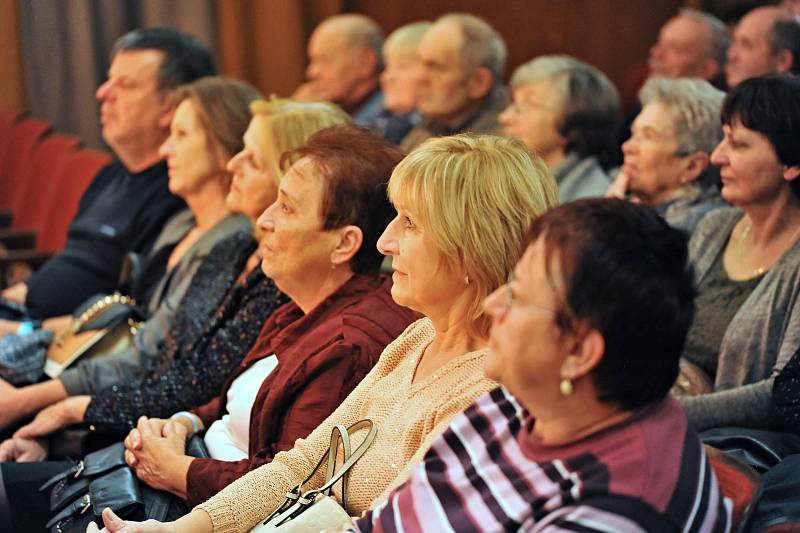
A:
<point x="464" y="204"/>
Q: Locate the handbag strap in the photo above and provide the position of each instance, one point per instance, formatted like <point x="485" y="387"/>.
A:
<point x="354" y="457"/>
<point x="296" y="497"/>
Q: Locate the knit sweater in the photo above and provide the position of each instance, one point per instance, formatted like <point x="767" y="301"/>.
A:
<point x="761" y="338"/>
<point x="409" y="416"/>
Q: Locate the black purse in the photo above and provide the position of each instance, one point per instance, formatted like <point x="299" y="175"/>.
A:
<point x="99" y="480"/>
<point x="103" y="479"/>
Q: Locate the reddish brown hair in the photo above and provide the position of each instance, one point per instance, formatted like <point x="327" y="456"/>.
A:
<point x="356" y="166"/>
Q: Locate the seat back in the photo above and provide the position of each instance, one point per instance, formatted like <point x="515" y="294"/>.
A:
<point x="37" y="190"/>
<point x="738" y="482"/>
<point x="77" y="173"/>
<point x="17" y="155"/>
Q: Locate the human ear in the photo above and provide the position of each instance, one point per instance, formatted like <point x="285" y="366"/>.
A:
<point x="791" y="173"/>
<point x="696" y="164"/>
<point x="480" y="83"/>
<point x="586" y="354"/>
<point x="349" y="243"/>
<point x="167" y="110"/>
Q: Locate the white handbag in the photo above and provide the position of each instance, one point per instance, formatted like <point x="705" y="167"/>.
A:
<point x="315" y="510"/>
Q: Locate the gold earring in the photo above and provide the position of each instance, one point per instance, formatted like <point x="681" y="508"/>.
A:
<point x="466" y="280"/>
<point x="566" y="387"/>
<point x="333" y="265"/>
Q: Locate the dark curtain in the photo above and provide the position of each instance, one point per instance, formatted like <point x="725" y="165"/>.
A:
<point x="65" y="46"/>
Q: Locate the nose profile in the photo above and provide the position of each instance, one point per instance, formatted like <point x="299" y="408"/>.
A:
<point x="265" y="221"/>
<point x="387" y="242"/>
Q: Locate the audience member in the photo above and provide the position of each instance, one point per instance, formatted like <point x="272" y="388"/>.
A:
<point x="209" y="121"/>
<point x="400" y="81"/>
<point x="585" y="339"/>
<point x="666" y="163"/>
<point x="127" y="204"/>
<point x="313" y="350"/>
<point x="566" y="111"/>
<point x="461" y="89"/>
<point x="766" y="40"/>
<point x="456" y="236"/>
<point x="692" y="44"/>
<point x="345" y="61"/>
<point x="747" y="258"/>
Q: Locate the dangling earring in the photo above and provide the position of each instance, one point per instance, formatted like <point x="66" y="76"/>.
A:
<point x="333" y="265"/>
<point x="466" y="280"/>
<point x="566" y="387"/>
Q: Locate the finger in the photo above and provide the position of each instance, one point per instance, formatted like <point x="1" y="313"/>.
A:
<point x="144" y="427"/>
<point x="134" y="440"/>
<point x="112" y="521"/>
<point x="92" y="528"/>
<point x="130" y="458"/>
<point x="7" y="451"/>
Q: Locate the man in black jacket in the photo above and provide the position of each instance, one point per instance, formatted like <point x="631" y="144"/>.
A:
<point x="125" y="207"/>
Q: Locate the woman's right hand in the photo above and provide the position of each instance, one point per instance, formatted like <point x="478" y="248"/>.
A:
<point x="619" y="187"/>
<point x="115" y="524"/>
<point x="20" y="450"/>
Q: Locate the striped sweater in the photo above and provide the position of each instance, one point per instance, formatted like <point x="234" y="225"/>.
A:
<point x="485" y="473"/>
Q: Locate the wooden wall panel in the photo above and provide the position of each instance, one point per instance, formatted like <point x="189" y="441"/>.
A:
<point x="613" y="35"/>
<point x="12" y="92"/>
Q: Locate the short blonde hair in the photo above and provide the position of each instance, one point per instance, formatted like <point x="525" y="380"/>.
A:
<point x="475" y="195"/>
<point x="405" y="39"/>
<point x="288" y="124"/>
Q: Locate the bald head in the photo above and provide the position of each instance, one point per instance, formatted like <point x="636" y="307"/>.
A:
<point x="691" y="44"/>
<point x="766" y="40"/>
<point x="344" y="58"/>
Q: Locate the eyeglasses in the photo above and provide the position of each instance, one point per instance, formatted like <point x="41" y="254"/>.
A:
<point x="523" y="108"/>
<point x="510" y="299"/>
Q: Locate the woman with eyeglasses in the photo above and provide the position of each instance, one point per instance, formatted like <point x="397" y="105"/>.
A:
<point x="583" y="435"/>
<point x="566" y="111"/>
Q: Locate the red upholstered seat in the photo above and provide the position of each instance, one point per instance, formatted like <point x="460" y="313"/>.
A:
<point x="76" y="175"/>
<point x="739" y="482"/>
<point x="37" y="191"/>
<point x="18" y="149"/>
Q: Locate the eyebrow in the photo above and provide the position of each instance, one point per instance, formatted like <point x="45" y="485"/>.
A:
<point x="286" y="195"/>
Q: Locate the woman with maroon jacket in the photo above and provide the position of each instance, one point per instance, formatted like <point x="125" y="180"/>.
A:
<point x="320" y="250"/>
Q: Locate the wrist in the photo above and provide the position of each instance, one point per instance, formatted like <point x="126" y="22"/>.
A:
<point x="189" y="420"/>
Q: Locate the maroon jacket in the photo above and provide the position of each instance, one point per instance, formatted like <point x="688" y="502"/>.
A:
<point x="322" y="356"/>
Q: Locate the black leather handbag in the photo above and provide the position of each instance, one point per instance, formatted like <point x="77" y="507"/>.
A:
<point x="103" y="479"/>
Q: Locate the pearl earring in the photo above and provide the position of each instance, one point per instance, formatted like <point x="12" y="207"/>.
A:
<point x="566" y="387"/>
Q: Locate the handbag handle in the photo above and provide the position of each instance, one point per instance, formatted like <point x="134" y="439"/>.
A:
<point x="297" y="497"/>
<point x="354" y="457"/>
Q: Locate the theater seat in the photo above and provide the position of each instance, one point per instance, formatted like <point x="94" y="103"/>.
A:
<point x="17" y="155"/>
<point x="37" y="191"/>
<point x="76" y="175"/>
<point x="739" y="482"/>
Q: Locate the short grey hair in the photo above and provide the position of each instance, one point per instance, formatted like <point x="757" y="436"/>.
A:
<point x="405" y="39"/>
<point x="720" y="40"/>
<point x="359" y="31"/>
<point x="482" y="46"/>
<point x="785" y="35"/>
<point x="589" y="102"/>
<point x="694" y="105"/>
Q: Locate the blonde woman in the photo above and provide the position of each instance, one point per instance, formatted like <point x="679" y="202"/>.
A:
<point x="455" y="239"/>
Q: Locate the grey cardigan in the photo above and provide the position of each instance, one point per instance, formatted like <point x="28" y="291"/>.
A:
<point x="579" y="178"/>
<point x="102" y="372"/>
<point x="761" y="338"/>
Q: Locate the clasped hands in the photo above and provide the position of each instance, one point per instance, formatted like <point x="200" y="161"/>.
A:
<point x="156" y="450"/>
